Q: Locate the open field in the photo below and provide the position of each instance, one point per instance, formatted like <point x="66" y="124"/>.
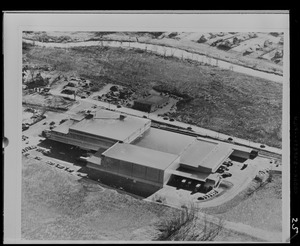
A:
<point x="262" y="209"/>
<point x="58" y="206"/>
<point x="224" y="101"/>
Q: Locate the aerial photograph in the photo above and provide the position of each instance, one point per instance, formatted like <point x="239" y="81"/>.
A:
<point x="152" y="136"/>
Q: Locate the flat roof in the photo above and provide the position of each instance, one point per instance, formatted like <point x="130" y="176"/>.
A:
<point x="165" y="141"/>
<point x="78" y="117"/>
<point x="152" y="99"/>
<point x="216" y="156"/>
<point x="142" y="156"/>
<point x="108" y="124"/>
<point x="205" y="154"/>
<point x="64" y="127"/>
<point x="196" y="152"/>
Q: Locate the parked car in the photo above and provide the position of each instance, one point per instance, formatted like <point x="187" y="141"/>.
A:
<point x="225" y="175"/>
<point x="224" y="168"/>
<point x="172" y="119"/>
<point x="220" y="170"/>
<point x="228" y="163"/>
<point x="197" y="187"/>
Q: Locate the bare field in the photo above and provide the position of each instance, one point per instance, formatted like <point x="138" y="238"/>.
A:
<point x="224" y="101"/>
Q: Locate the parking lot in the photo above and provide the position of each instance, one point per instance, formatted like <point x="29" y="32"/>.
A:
<point x="235" y="177"/>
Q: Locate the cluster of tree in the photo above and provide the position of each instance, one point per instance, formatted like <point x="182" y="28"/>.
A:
<point x="185" y="225"/>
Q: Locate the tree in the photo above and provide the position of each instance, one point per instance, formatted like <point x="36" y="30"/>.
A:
<point x="114" y="88"/>
<point x="186" y="225"/>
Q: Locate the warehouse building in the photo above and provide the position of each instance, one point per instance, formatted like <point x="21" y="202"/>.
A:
<point x="100" y="129"/>
<point x="150" y="103"/>
<point x="127" y="147"/>
<point x="195" y="159"/>
<point x="136" y="163"/>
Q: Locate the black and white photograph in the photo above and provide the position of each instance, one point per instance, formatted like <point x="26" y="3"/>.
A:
<point x="145" y="130"/>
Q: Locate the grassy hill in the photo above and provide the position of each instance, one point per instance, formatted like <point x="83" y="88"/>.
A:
<point x="60" y="206"/>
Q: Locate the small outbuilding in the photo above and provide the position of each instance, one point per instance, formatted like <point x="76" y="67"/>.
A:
<point x="150" y="103"/>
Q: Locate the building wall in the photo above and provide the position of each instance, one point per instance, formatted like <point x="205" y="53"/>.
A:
<point x="134" y="187"/>
<point x="130" y="170"/>
<point x="198" y="169"/>
<point x="145" y="107"/>
<point x="241" y="154"/>
<point x="93" y="142"/>
<point x="174" y="166"/>
<point x="149" y="107"/>
<point x="82" y="141"/>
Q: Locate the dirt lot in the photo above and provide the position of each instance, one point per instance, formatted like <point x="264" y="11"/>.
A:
<point x="224" y="101"/>
<point x="262" y="209"/>
<point x="50" y="101"/>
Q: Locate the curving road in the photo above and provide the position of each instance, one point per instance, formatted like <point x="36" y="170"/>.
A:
<point x="167" y="52"/>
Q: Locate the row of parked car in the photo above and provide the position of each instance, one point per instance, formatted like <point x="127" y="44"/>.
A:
<point x="60" y="166"/>
<point x="24" y="138"/>
<point x="225" y="167"/>
<point x="24" y="150"/>
<point x="209" y="195"/>
<point x="43" y="151"/>
<point x="184" y="183"/>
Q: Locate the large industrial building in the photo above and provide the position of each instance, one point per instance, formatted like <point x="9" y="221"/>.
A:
<point x="100" y="129"/>
<point x="127" y="147"/>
